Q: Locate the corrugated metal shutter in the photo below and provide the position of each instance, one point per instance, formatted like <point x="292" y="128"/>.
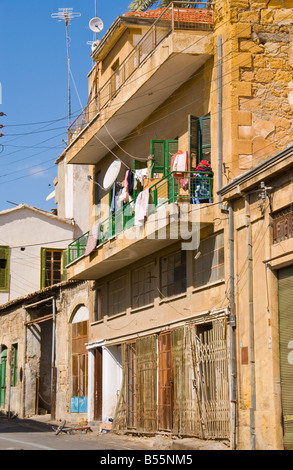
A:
<point x="285" y="291"/>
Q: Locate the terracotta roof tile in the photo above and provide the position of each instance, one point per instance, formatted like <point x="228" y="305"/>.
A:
<point x="189" y="15"/>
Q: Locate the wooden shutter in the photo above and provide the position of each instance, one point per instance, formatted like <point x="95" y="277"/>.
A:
<point x="285" y="293"/>
<point x="205" y="137"/>
<point x="43" y="267"/>
<point x="193" y="142"/>
<point x="158" y="153"/>
<point x="4" y="268"/>
<point x="147" y="383"/>
<point x="64" y="263"/>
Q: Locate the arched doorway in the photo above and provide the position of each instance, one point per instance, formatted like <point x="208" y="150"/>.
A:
<point x="79" y="360"/>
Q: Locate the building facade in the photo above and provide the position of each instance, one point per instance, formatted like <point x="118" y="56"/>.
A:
<point x="182" y="103"/>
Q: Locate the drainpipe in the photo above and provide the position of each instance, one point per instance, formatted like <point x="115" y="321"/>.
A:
<point x="232" y="324"/>
<point x="220" y="117"/>
<point x="251" y="324"/>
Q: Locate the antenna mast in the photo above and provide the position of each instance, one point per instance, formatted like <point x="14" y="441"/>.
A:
<point x="66" y="15"/>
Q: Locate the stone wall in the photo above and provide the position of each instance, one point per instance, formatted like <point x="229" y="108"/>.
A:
<point x="258" y="79"/>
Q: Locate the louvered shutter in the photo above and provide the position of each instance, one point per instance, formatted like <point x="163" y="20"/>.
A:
<point x="171" y="149"/>
<point x="205" y="137"/>
<point x="158" y="153"/>
<point x="4" y="268"/>
<point x="285" y="292"/>
<point x="193" y="141"/>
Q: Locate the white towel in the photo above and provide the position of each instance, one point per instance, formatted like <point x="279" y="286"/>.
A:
<point x="141" y="207"/>
<point x="140" y="175"/>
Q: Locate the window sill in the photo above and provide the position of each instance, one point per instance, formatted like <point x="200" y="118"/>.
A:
<point x="113" y="317"/>
<point x="174" y="297"/>
<point x="208" y="286"/>
<point x="143" y="307"/>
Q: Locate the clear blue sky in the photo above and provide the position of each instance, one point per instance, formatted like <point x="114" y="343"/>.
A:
<point x="33" y="77"/>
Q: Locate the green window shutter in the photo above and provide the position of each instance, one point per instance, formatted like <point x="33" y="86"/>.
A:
<point x="193" y="142"/>
<point x="43" y="267"/>
<point x="205" y="137"/>
<point x="158" y="152"/>
<point x="171" y="148"/>
<point x="162" y="151"/>
<point x="4" y="268"/>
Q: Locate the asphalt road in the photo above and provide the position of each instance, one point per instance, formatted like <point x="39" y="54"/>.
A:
<point x="17" y="434"/>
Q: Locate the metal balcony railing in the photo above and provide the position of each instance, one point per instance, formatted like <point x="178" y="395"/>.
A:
<point x="186" y="16"/>
<point x="186" y="188"/>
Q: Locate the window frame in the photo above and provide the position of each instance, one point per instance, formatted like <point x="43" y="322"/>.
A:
<point x="44" y="252"/>
<point x="214" y="254"/>
<point x="6" y="252"/>
<point x="175" y="279"/>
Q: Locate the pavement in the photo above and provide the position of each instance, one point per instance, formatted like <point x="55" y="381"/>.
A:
<point x="122" y="441"/>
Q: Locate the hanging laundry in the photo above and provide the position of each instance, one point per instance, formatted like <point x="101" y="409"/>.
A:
<point x="140" y="175"/>
<point x="141" y="207"/>
<point x="130" y="182"/>
<point x="92" y="239"/>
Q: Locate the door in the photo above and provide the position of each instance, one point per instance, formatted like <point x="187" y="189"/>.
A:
<point x="165" y="383"/>
<point x="3" y="362"/>
<point x="131" y="385"/>
<point x="98" y="400"/>
<point x="285" y="294"/>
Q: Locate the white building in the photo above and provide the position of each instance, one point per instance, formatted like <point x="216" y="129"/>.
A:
<point x="33" y="246"/>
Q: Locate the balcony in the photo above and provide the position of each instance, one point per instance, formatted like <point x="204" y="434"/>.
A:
<point x="186" y="188"/>
<point x="176" y="45"/>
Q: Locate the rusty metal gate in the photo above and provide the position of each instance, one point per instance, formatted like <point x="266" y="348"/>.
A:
<point x="211" y="378"/>
<point x="178" y="381"/>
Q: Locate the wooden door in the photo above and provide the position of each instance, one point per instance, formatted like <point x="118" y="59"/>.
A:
<point x="165" y="383"/>
<point x="131" y="385"/>
<point x="98" y="396"/>
<point x="3" y="362"/>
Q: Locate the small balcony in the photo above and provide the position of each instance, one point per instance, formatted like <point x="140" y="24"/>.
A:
<point x="186" y="188"/>
<point x="135" y="88"/>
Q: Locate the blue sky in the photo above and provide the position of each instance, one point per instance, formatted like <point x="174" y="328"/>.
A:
<point x="33" y="77"/>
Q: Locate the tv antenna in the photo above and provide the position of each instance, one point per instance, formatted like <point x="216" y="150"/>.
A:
<point x="66" y="15"/>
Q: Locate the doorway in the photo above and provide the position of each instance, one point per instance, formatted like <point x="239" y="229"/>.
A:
<point x="165" y="383"/>
<point x="98" y="385"/>
<point x="3" y="364"/>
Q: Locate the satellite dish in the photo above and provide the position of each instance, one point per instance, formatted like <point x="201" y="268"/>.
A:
<point x="111" y="174"/>
<point x="94" y="45"/>
<point x="96" y="25"/>
<point x="51" y="195"/>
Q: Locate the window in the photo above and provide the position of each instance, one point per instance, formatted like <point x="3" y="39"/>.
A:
<point x="162" y="151"/>
<point x="209" y="266"/>
<point x="52" y="263"/>
<point x="143" y="286"/>
<point x="199" y="140"/>
<point x="117" y="296"/>
<point x="173" y="274"/>
<point x="283" y="224"/>
<point x="79" y="359"/>
<point x="4" y="268"/>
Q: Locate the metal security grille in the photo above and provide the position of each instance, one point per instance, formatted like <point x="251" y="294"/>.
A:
<point x="285" y="292"/>
<point x="211" y="379"/>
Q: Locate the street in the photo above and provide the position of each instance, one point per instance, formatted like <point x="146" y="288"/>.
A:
<point x="28" y="434"/>
<point x="37" y="434"/>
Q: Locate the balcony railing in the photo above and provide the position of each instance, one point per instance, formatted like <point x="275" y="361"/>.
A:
<point x="187" y="188"/>
<point x="177" y="16"/>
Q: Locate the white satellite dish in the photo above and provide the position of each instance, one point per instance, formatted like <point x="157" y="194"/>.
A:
<point x="96" y="25"/>
<point x="94" y="45"/>
<point x="51" y="195"/>
<point x="111" y="174"/>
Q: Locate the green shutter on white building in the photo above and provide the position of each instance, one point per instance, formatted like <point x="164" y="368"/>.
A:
<point x="4" y="268"/>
